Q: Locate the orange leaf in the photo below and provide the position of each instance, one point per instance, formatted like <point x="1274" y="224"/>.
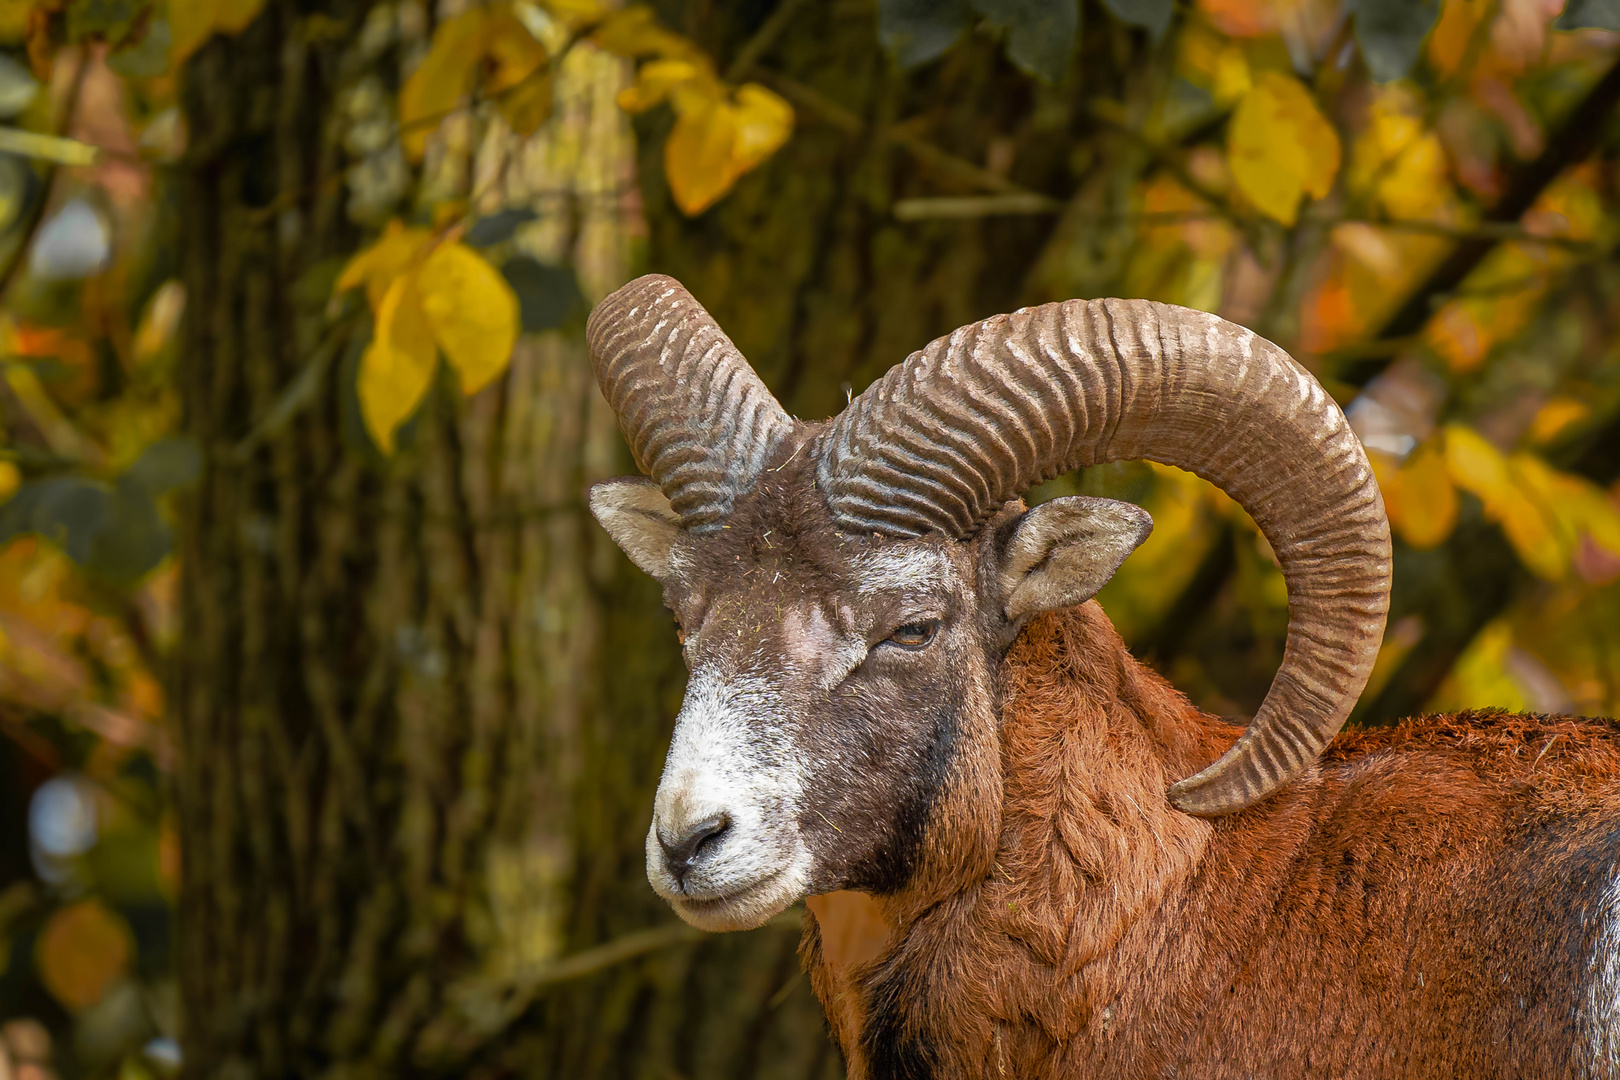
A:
<point x="82" y="949"/>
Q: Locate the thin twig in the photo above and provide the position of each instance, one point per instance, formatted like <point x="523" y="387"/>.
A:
<point x="630" y="946"/>
<point x="513" y="997"/>
<point x="299" y="393"/>
<point x="835" y="115"/>
<point x="763" y="39"/>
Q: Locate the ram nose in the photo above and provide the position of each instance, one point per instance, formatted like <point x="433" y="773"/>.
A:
<point x="685" y="844"/>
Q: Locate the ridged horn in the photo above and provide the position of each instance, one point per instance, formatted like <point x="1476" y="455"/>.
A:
<point x="979" y="416"/>
<point x="698" y="420"/>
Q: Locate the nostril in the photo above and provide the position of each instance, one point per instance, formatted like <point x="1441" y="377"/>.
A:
<point x="712" y="836"/>
<point x="697" y="838"/>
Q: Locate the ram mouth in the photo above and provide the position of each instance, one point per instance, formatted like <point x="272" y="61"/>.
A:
<point x="741" y="909"/>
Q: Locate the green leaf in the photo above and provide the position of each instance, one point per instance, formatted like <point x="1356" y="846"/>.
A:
<point x="1040" y="33"/>
<point x="548" y="296"/>
<point x="917" y="31"/>
<point x="1590" y="15"/>
<point x="133" y="537"/>
<point x="1152" y="15"/>
<point x="17" y="184"/>
<point x="107" y="18"/>
<point x="1391" y="33"/>
<point x="55" y="148"/>
<point x="146" y="58"/>
<point x="166" y="465"/>
<point x="116" y="533"/>
<point x="66" y="510"/>
<point x="498" y="228"/>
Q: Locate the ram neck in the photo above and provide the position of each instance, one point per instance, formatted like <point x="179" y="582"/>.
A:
<point x="1088" y="849"/>
<point x="1091" y="739"/>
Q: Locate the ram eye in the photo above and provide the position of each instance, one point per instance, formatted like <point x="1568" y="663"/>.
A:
<point x="914" y="635"/>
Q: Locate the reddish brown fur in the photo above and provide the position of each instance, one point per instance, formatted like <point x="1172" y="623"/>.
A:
<point x="1421" y="903"/>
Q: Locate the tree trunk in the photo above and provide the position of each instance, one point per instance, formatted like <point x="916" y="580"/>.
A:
<point x="421" y="703"/>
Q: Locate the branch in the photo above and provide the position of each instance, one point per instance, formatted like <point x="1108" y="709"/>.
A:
<point x="486" y="1006"/>
<point x="835" y="115"/>
<point x="36" y="212"/>
<point x="300" y="392"/>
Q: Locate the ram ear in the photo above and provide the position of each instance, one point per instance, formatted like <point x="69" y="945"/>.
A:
<point x="1061" y="552"/>
<point x="640" y="520"/>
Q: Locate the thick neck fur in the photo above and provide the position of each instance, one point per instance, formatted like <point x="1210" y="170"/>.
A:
<point x="1087" y="845"/>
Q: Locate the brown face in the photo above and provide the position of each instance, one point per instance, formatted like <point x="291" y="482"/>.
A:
<point x="834" y="680"/>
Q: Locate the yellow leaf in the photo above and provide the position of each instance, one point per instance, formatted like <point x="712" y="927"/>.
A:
<point x="655" y="81"/>
<point x="1280" y="147"/>
<point x="1474" y="464"/>
<point x="82" y="949"/>
<point x="234" y="16"/>
<point x="191" y="22"/>
<point x="473" y="313"/>
<point x="160" y="321"/>
<point x="397" y="367"/>
<point x="1578" y="505"/>
<point x="14" y="20"/>
<point x="442" y="82"/>
<point x="513" y="52"/>
<point x="378" y="265"/>
<point x="1419" y="496"/>
<point x="764" y="122"/>
<point x="1481" y="677"/>
<point x="700" y="155"/>
<point x="1396" y="157"/>
<point x="528" y="105"/>
<point x="573" y="13"/>
<point x="1511" y="497"/>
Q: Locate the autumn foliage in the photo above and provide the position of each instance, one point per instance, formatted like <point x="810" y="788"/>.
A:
<point x="1419" y="199"/>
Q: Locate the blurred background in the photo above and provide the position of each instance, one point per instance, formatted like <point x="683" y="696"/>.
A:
<point x="329" y="722"/>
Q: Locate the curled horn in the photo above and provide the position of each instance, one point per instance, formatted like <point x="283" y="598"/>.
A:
<point x="698" y="420"/>
<point x="978" y="417"/>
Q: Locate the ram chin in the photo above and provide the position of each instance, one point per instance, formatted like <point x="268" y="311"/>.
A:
<point x="721" y="902"/>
